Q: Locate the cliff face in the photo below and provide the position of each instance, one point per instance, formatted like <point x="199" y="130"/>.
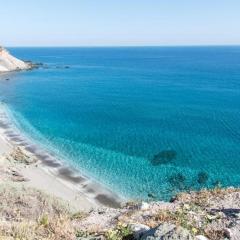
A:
<point x="10" y="63"/>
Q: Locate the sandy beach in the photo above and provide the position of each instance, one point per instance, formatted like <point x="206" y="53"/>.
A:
<point x="27" y="164"/>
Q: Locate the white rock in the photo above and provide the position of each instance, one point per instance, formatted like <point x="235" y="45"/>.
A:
<point x="144" y="206"/>
<point x="167" y="231"/>
<point x="228" y="232"/>
<point x="10" y="63"/>
<point x="201" y="237"/>
<point x="138" y="229"/>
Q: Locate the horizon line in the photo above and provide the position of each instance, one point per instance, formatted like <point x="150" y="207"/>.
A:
<point x="122" y="46"/>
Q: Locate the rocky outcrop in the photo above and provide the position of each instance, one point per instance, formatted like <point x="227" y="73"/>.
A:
<point x="167" y="231"/>
<point x="10" y="63"/>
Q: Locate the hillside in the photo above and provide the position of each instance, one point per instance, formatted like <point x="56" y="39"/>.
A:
<point x="10" y="63"/>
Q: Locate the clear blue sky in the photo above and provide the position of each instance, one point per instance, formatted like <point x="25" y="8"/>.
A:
<point x="123" y="22"/>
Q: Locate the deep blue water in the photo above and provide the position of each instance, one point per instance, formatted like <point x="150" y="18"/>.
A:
<point x="140" y="120"/>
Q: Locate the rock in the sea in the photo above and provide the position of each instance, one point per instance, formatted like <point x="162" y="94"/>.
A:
<point x="151" y="195"/>
<point x="167" y="231"/>
<point x="177" y="181"/>
<point x="202" y="177"/>
<point x="138" y="230"/>
<point x="163" y="157"/>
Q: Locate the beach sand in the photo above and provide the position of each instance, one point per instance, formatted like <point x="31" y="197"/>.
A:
<point x="27" y="164"/>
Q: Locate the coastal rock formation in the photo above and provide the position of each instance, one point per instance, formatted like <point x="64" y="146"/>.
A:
<point x="10" y="63"/>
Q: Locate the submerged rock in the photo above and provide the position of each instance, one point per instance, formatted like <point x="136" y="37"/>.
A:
<point x="177" y="181"/>
<point x="163" y="157"/>
<point x="202" y="177"/>
<point x="151" y="195"/>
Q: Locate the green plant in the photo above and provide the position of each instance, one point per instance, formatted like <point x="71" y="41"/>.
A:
<point x="81" y="233"/>
<point x="122" y="231"/>
<point x="44" y="221"/>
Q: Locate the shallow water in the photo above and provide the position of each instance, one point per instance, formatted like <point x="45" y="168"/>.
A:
<point x="147" y="122"/>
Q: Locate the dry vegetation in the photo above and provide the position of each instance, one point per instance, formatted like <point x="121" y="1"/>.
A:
<point x="207" y="212"/>
<point x="31" y="214"/>
<point x="28" y="214"/>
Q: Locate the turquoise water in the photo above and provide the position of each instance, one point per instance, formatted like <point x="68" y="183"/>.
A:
<point x="147" y="122"/>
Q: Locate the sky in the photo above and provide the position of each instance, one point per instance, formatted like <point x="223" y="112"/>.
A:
<point x="119" y="23"/>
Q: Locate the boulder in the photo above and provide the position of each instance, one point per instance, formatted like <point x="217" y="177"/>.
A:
<point x="144" y="206"/>
<point x="138" y="230"/>
<point x="234" y="232"/>
<point x="228" y="233"/>
<point x="167" y="231"/>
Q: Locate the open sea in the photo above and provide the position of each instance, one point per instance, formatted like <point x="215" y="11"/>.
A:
<point x="145" y="122"/>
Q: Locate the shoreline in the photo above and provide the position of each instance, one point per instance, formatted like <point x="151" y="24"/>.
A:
<point x="48" y="173"/>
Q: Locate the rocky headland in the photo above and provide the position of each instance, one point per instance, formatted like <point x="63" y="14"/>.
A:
<point x="10" y="63"/>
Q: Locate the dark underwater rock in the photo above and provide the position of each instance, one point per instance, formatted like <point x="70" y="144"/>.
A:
<point x="151" y="195"/>
<point x="202" y="177"/>
<point x="177" y="181"/>
<point x="163" y="157"/>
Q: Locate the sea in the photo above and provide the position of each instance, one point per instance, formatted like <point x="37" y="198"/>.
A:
<point x="146" y="122"/>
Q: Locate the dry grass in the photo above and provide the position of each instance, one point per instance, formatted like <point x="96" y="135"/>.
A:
<point x="216" y="234"/>
<point x="58" y="228"/>
<point x="28" y="214"/>
<point x="180" y="217"/>
<point x="194" y="212"/>
<point x="205" y="197"/>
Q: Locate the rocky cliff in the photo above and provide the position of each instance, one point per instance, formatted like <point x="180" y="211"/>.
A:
<point x="10" y="63"/>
